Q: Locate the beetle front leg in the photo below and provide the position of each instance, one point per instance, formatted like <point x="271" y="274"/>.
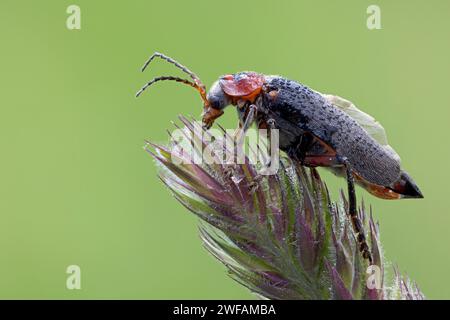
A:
<point x="249" y="119"/>
<point x="244" y="124"/>
<point x="353" y="213"/>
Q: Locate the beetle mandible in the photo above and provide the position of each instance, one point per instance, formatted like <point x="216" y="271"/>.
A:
<point x="315" y="129"/>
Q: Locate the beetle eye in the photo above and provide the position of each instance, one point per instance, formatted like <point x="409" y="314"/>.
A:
<point x="217" y="97"/>
<point x="216" y="102"/>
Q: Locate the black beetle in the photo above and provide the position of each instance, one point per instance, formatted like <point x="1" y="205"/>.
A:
<point x="314" y="129"/>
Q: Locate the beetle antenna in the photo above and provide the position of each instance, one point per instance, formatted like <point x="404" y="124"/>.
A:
<point x="198" y="83"/>
<point x="164" y="78"/>
<point x="174" y="62"/>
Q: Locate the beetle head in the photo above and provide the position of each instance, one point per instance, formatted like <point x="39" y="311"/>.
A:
<point x="217" y="100"/>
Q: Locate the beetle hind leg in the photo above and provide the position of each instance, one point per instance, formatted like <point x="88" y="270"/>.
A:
<point x="353" y="213"/>
<point x="311" y="151"/>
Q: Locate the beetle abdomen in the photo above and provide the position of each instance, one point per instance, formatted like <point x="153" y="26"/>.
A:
<point x="310" y="112"/>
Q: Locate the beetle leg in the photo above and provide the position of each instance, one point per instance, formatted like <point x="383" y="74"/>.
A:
<point x="271" y="126"/>
<point x="250" y="117"/>
<point x="353" y="213"/>
<point x="311" y="151"/>
<point x="246" y="124"/>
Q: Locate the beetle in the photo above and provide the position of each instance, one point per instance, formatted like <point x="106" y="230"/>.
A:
<point x="318" y="130"/>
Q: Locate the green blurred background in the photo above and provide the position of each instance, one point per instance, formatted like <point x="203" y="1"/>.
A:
<point x="77" y="188"/>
